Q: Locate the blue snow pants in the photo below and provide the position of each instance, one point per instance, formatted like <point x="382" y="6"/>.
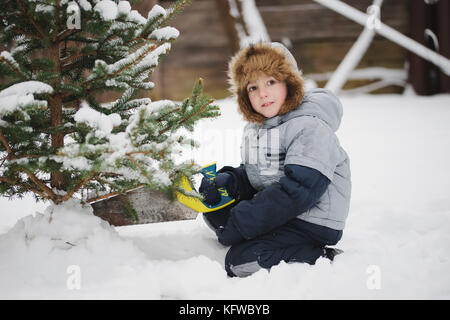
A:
<point x="295" y="241"/>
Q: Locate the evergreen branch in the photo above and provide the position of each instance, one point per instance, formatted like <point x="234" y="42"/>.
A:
<point x="146" y="30"/>
<point x="138" y="152"/>
<point x="138" y="38"/>
<point x="175" y="10"/>
<point x="16" y="183"/>
<point x="139" y="58"/>
<point x="36" y="156"/>
<point x="187" y="118"/>
<point x="33" y="178"/>
<point x="183" y="106"/>
<point x="196" y="112"/>
<point x="41" y="185"/>
<point x="139" y="167"/>
<point x="135" y="61"/>
<point x="26" y="33"/>
<point x="33" y="22"/>
<point x="6" y="145"/>
<point x="104" y="196"/>
<point x="198" y="88"/>
<point x="2" y="59"/>
<point x="66" y="33"/>
<point x="76" y="56"/>
<point x="78" y="186"/>
<point x="112" y="194"/>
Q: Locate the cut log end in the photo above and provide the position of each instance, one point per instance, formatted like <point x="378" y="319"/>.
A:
<point x="150" y="206"/>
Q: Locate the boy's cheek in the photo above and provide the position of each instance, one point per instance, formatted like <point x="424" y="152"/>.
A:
<point x="253" y="102"/>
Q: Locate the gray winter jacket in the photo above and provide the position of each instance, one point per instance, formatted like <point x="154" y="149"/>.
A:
<point x="304" y="136"/>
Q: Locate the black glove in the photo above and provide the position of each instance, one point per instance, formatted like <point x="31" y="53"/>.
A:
<point x="227" y="181"/>
<point x="209" y="192"/>
<point x="223" y="180"/>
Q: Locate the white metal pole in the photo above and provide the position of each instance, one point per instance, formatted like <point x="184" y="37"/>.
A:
<point x="353" y="57"/>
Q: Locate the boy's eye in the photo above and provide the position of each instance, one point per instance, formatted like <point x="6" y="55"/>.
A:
<point x="251" y="88"/>
<point x="271" y="82"/>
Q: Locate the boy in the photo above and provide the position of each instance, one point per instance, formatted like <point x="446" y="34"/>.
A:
<point x="293" y="187"/>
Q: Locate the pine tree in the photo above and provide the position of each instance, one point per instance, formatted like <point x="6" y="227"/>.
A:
<point x="57" y="139"/>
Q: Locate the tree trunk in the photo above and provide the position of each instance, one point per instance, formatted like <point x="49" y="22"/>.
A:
<point x="56" y="118"/>
<point x="228" y="21"/>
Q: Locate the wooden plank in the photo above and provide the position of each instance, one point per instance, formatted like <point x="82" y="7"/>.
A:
<point x="200" y="23"/>
<point x="312" y="21"/>
<point x="325" y="56"/>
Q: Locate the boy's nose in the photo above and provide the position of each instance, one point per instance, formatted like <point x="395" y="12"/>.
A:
<point x="262" y="93"/>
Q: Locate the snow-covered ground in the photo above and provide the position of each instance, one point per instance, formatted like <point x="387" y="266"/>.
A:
<point x="396" y="242"/>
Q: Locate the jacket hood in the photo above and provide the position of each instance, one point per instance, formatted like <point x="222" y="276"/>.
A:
<point x="320" y="103"/>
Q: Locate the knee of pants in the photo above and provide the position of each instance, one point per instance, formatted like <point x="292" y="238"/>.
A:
<point x="238" y="267"/>
<point x="216" y="219"/>
<point x="247" y="258"/>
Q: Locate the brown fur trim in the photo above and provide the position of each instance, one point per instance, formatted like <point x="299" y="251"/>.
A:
<point x="256" y="60"/>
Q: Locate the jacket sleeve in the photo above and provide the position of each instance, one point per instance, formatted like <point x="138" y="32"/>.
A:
<point x="299" y="190"/>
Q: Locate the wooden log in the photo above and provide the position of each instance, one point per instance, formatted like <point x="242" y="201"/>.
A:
<point x="150" y="206"/>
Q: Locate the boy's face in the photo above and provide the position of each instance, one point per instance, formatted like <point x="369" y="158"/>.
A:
<point x="267" y="95"/>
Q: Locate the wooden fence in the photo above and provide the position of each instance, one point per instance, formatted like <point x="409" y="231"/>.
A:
<point x="320" y="39"/>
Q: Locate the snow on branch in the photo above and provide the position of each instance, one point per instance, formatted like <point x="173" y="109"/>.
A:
<point x="20" y="96"/>
<point x="7" y="58"/>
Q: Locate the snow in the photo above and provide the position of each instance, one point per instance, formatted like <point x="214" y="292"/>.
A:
<point x="165" y="33"/>
<point x="44" y="8"/>
<point x="156" y="11"/>
<point x="26" y="87"/>
<point x="20" y="95"/>
<point x="5" y="55"/>
<point x="396" y="241"/>
<point x="108" y="9"/>
<point x="254" y="22"/>
<point x="124" y="7"/>
<point x="85" y="5"/>
<point x="150" y="59"/>
<point x="135" y="16"/>
<point x="11" y="103"/>
<point x="105" y="123"/>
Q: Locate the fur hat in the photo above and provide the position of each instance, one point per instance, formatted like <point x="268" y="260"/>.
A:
<point x="272" y="59"/>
